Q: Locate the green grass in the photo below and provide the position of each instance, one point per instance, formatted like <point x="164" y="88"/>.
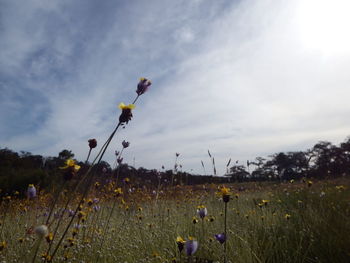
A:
<point x="318" y="229"/>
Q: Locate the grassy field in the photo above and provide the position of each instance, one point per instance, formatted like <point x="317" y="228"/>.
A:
<point x="267" y="222"/>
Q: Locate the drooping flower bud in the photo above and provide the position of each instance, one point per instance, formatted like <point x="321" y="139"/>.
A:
<point x="92" y="143"/>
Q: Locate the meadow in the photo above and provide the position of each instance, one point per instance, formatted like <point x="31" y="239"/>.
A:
<point x="296" y="221"/>
<point x="83" y="212"/>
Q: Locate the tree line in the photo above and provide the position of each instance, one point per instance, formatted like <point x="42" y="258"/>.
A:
<point x="323" y="160"/>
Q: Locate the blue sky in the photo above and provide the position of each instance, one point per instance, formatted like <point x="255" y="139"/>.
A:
<point x="241" y="78"/>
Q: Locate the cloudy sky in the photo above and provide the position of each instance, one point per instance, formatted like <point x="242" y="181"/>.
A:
<point x="242" y="78"/>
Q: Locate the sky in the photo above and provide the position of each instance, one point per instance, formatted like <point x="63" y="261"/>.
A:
<point x="242" y="78"/>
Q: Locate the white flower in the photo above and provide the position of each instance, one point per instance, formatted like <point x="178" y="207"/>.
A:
<point x="41" y="231"/>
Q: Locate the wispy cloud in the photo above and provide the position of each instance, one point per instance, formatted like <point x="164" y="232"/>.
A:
<point x="234" y="77"/>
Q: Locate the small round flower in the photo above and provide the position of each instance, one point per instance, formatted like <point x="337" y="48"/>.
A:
<point x="119" y="160"/>
<point x="125" y="144"/>
<point x="92" y="143"/>
<point x="191" y="246"/>
<point x="287" y="216"/>
<point x="142" y="86"/>
<point x="225" y="192"/>
<point x="194" y="220"/>
<point x="41" y="231"/>
<point x="202" y="211"/>
<point x="220" y="237"/>
<point x="180" y="243"/>
<point x="126" y="114"/>
<point x="31" y="192"/>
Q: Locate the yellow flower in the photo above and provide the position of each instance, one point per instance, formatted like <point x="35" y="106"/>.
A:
<point x="194" y="220"/>
<point x="122" y="106"/>
<point x="180" y="240"/>
<point x="287" y="216"/>
<point x="3" y="245"/>
<point x="309" y="183"/>
<point x="70" y="163"/>
<point x="118" y="191"/>
<point x="225" y="191"/>
<point x="49" y="238"/>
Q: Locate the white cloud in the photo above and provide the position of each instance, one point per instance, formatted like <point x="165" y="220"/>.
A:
<point x="232" y="78"/>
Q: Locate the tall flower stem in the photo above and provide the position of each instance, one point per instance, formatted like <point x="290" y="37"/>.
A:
<point x="87" y="158"/>
<point x="98" y="158"/>
<point x="225" y="231"/>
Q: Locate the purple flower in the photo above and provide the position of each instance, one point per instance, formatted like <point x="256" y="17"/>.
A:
<point x="116" y="153"/>
<point x="191" y="247"/>
<point x="142" y="86"/>
<point x="31" y="192"/>
<point x="221" y="238"/>
<point x="97" y="208"/>
<point x="125" y="144"/>
<point x="202" y="211"/>
<point x="119" y="160"/>
<point x="70" y="212"/>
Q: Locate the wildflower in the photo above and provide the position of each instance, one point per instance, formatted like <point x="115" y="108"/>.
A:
<point x="119" y="160"/>
<point x="49" y="238"/>
<point x="118" y="192"/>
<point x="125" y="144"/>
<point x="31" y="192"/>
<point x="126" y="114"/>
<point x="21" y="240"/>
<point x="202" y="211"/>
<point x="46" y="257"/>
<point x="237" y="196"/>
<point x="177" y="154"/>
<point x="221" y="238"/>
<point x="126" y="180"/>
<point x="180" y="243"/>
<point x="211" y="219"/>
<point x="265" y="202"/>
<point x="340" y="187"/>
<point x="3" y="245"/>
<point x="92" y="143"/>
<point x="225" y="192"/>
<point x="71" y="212"/>
<point x="97" y="184"/>
<point x="81" y="214"/>
<point x="41" y="231"/>
<point x="71" y="167"/>
<point x="191" y="246"/>
<point x="142" y="86"/>
<point x="322" y="194"/>
<point x="194" y="220"/>
<point x="287" y="216"/>
<point x="309" y="183"/>
<point x="291" y="181"/>
<point x="116" y="153"/>
<point x="70" y="163"/>
<point x="90" y="202"/>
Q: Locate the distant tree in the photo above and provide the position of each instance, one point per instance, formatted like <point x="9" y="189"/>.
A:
<point x="65" y="154"/>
